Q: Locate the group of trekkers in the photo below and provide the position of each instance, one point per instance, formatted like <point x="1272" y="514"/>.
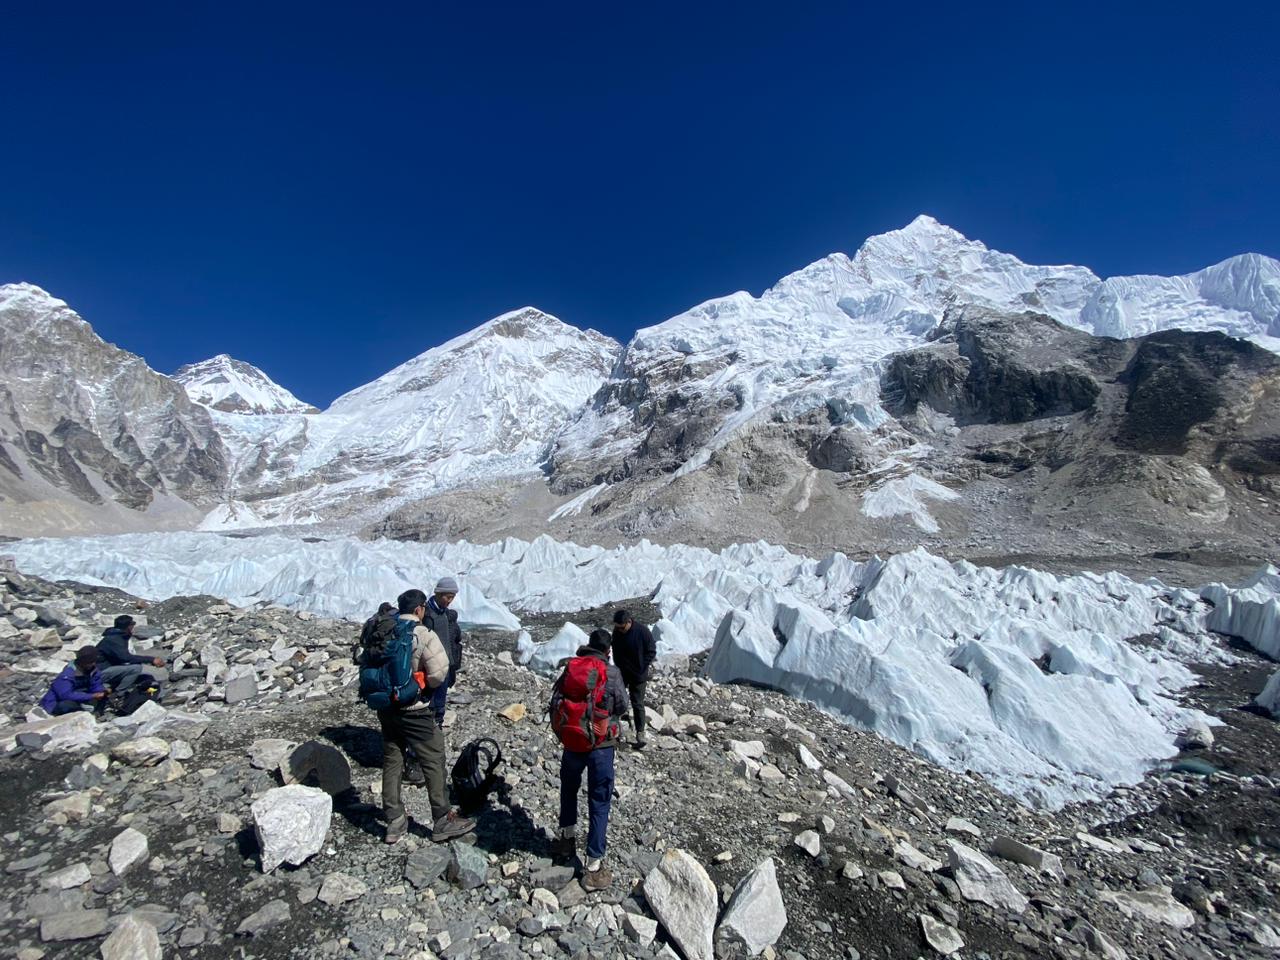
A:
<point x="108" y="670"/>
<point x="410" y="656"/>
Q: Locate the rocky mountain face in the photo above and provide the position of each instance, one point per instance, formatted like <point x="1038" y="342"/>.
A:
<point x="241" y="817"/>
<point x="92" y="439"/>
<point x="841" y="408"/>
<point x="233" y="386"/>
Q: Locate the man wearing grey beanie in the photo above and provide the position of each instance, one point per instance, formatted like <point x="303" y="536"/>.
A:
<point x="444" y="623"/>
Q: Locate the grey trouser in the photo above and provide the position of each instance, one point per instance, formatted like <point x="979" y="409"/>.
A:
<point x="416" y="729"/>
<point x="122" y="677"/>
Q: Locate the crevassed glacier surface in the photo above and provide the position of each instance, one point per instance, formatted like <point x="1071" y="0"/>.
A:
<point x="1026" y="678"/>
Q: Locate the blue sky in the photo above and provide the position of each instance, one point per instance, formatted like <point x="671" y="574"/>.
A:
<point x="326" y="191"/>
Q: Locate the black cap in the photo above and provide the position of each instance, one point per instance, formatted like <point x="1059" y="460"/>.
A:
<point x="600" y="640"/>
<point x="621" y="617"/>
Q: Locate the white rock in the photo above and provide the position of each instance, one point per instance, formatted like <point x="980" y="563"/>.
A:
<point x="980" y="879"/>
<point x="72" y="731"/>
<point x="1197" y="736"/>
<point x="756" y="915"/>
<point x="141" y="751"/>
<point x="1036" y="859"/>
<point x="339" y="888"/>
<point x="914" y="859"/>
<point x="961" y="825"/>
<point x="943" y="938"/>
<point x="807" y="759"/>
<point x="73" y="876"/>
<point x="128" y="849"/>
<point x="1097" y="843"/>
<point x="291" y="824"/>
<point x="267" y="754"/>
<point x="1156" y="905"/>
<point x="809" y="842"/>
<point x="180" y="750"/>
<point x="132" y="939"/>
<point x="892" y="879"/>
<point x="751" y="749"/>
<point x="74" y="807"/>
<point x="639" y="928"/>
<point x="684" y="900"/>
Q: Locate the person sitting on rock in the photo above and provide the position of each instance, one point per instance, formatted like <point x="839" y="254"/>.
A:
<point x="634" y="651"/>
<point x="415" y="727"/>
<point x="585" y="719"/>
<point x="123" y="669"/>
<point x="78" y="687"/>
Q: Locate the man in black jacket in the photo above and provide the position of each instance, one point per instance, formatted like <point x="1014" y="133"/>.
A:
<point x="634" y="651"/>
<point x="121" y="669"/>
<point x="443" y="622"/>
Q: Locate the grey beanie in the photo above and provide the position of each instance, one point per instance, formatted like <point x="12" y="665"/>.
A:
<point x="446" y="585"/>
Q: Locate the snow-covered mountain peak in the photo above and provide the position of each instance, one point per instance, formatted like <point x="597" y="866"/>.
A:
<point x="36" y="306"/>
<point x="234" y="386"/>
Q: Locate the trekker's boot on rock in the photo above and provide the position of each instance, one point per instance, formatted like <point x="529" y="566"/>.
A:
<point x="450" y="826"/>
<point x="598" y="876"/>
<point x="396" y="829"/>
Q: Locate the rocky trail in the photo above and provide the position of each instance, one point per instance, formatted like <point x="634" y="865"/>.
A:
<point x="753" y="824"/>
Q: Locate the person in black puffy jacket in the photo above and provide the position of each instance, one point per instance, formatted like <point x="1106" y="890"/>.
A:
<point x="634" y="651"/>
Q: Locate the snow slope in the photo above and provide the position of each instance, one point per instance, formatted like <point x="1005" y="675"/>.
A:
<point x="233" y="386"/>
<point x="1015" y="674"/>
<point x="476" y="409"/>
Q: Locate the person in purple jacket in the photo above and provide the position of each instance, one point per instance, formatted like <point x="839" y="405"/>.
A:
<point x="78" y="687"/>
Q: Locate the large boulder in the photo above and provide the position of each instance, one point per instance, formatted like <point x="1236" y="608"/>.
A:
<point x="132" y="939"/>
<point x="981" y="880"/>
<point x="1156" y="905"/>
<point x="141" y="751"/>
<point x="128" y="849"/>
<point x="72" y="731"/>
<point x="320" y="762"/>
<point x="684" y="900"/>
<point x="756" y="915"/>
<point x="291" y="824"/>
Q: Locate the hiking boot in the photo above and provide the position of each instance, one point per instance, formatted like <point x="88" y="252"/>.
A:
<point x="641" y="742"/>
<point x="451" y="825"/>
<point x="414" y="776"/>
<point x="601" y="879"/>
<point x="396" y="829"/>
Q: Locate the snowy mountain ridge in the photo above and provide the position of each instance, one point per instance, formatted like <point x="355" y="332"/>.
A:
<point x="525" y="396"/>
<point x="234" y="386"/>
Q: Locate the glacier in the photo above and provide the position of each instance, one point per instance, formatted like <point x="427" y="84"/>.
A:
<point x="1015" y="674"/>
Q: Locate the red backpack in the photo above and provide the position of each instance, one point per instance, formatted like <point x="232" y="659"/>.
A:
<point x="577" y="716"/>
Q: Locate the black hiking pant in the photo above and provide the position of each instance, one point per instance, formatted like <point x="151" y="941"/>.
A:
<point x="635" y="690"/>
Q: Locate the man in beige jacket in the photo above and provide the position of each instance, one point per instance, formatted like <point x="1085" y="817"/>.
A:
<point x="415" y="726"/>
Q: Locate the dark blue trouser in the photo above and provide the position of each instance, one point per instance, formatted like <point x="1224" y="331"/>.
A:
<point x="440" y="697"/>
<point x="599" y="767"/>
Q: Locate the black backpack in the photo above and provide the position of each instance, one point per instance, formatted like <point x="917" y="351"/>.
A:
<point x="376" y="633"/>
<point x="473" y="776"/>
<point x="145" y="689"/>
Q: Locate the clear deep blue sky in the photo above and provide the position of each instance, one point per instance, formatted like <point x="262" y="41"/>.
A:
<point x="326" y="191"/>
